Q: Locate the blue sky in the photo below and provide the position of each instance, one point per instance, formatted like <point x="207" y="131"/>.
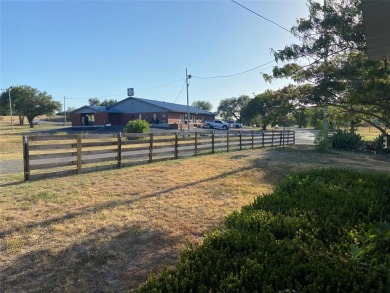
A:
<point x="85" y="49"/>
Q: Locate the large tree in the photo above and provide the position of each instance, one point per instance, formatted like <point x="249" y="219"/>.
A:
<point x="29" y="102"/>
<point x="332" y="60"/>
<point x="231" y="107"/>
<point x="204" y="105"/>
<point x="270" y="107"/>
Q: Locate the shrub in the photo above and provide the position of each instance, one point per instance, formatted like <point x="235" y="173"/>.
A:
<point x="320" y="231"/>
<point x="137" y="126"/>
<point x="346" y="140"/>
<point x="322" y="142"/>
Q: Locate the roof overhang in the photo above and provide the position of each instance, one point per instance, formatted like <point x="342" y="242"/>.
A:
<point x="376" y="21"/>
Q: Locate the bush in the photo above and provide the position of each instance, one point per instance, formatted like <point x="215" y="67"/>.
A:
<point x="346" y="140"/>
<point x="320" y="231"/>
<point x="137" y="126"/>
<point x="322" y="142"/>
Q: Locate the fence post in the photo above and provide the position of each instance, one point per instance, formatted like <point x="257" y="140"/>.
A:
<point x="212" y="142"/>
<point x="280" y="138"/>
<point x="26" y="158"/>
<point x="227" y="140"/>
<point x="293" y="137"/>
<point x="272" y="141"/>
<point x="262" y="138"/>
<point x="252" y="138"/>
<point x="284" y="133"/>
<point x="196" y="143"/>
<point x="176" y="145"/>
<point x="240" y="141"/>
<point x="119" y="136"/>
<point x="78" y="162"/>
<point x="150" y="147"/>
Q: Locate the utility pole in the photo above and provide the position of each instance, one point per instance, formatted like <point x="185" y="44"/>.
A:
<point x="10" y="107"/>
<point x="64" y="113"/>
<point x="188" y="101"/>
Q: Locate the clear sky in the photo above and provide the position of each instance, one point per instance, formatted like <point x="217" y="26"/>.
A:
<point x="85" y="49"/>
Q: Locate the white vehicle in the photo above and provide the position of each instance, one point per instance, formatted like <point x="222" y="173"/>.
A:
<point x="219" y="124"/>
<point x="234" y="124"/>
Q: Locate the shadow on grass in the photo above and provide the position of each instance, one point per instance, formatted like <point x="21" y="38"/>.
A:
<point x="96" y="264"/>
<point x="113" y="204"/>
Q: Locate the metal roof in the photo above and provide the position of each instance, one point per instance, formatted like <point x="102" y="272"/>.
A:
<point x="376" y="21"/>
<point x="176" y="107"/>
<point x="97" y="109"/>
<point x="171" y="107"/>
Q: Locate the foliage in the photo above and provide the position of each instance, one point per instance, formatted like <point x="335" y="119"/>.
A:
<point x="270" y="107"/>
<point x="301" y="117"/>
<point x="231" y="107"/>
<point x="137" y="126"/>
<point x="105" y="103"/>
<point x="334" y="64"/>
<point x="29" y="102"/>
<point x="346" y="140"/>
<point x="322" y="142"/>
<point x="320" y="231"/>
<point x="204" y="105"/>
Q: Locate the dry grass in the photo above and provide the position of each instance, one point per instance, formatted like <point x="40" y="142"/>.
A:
<point x="368" y="133"/>
<point x="106" y="231"/>
<point x="11" y="146"/>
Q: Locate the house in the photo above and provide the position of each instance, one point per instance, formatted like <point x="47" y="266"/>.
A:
<point x="166" y="114"/>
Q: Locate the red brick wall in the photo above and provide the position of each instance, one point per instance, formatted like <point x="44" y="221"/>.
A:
<point x="76" y="119"/>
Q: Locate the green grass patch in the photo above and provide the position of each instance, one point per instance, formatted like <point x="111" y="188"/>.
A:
<point x="320" y="231"/>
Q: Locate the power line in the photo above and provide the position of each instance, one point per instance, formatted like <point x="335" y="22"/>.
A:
<point x="180" y="92"/>
<point x="230" y="75"/>
<point x="262" y="16"/>
<point x="115" y="95"/>
<point x="161" y="85"/>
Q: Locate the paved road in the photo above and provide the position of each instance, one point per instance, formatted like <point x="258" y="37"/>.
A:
<point x="302" y="136"/>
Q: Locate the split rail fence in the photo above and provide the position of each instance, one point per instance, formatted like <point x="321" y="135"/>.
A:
<point x="61" y="155"/>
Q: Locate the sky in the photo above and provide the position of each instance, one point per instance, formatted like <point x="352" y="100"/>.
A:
<point x="98" y="49"/>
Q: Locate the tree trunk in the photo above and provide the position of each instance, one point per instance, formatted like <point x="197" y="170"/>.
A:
<point x="264" y="127"/>
<point x="30" y="121"/>
<point x="352" y="124"/>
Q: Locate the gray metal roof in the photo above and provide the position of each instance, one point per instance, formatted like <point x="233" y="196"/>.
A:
<point x="97" y="109"/>
<point x="171" y="107"/>
<point x="376" y="20"/>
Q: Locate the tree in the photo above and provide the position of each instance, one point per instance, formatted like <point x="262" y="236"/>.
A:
<point x="108" y="103"/>
<point x="94" y="102"/>
<point x="30" y="102"/>
<point x="231" y="107"/>
<point x="300" y="117"/>
<point x="204" y="105"/>
<point x="334" y="63"/>
<point x="270" y="107"/>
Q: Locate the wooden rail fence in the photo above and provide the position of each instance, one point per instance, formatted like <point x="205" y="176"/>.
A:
<point x="60" y="155"/>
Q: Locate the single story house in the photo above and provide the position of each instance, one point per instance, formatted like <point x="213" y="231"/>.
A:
<point x="158" y="112"/>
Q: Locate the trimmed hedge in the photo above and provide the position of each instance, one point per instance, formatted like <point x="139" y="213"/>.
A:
<point x="320" y="231"/>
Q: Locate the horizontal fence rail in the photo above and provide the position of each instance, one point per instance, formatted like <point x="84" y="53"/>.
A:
<point x="59" y="155"/>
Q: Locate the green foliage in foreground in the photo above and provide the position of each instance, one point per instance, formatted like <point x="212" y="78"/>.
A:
<point x="320" y="231"/>
<point x="137" y="126"/>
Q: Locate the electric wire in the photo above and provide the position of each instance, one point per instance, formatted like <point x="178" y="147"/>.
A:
<point x="254" y="12"/>
<point x="235" y="74"/>
<point x="180" y="92"/>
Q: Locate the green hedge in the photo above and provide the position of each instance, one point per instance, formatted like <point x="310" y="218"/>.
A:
<point x="320" y="231"/>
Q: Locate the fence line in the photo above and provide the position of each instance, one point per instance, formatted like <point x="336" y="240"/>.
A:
<point x="48" y="156"/>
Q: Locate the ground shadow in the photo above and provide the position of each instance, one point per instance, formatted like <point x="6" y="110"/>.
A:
<point x="95" y="264"/>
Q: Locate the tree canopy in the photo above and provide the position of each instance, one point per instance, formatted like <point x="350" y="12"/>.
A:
<point x="204" y="105"/>
<point x="105" y="103"/>
<point x="29" y="102"/>
<point x="270" y="107"/>
<point x="231" y="107"/>
<point x="331" y="62"/>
